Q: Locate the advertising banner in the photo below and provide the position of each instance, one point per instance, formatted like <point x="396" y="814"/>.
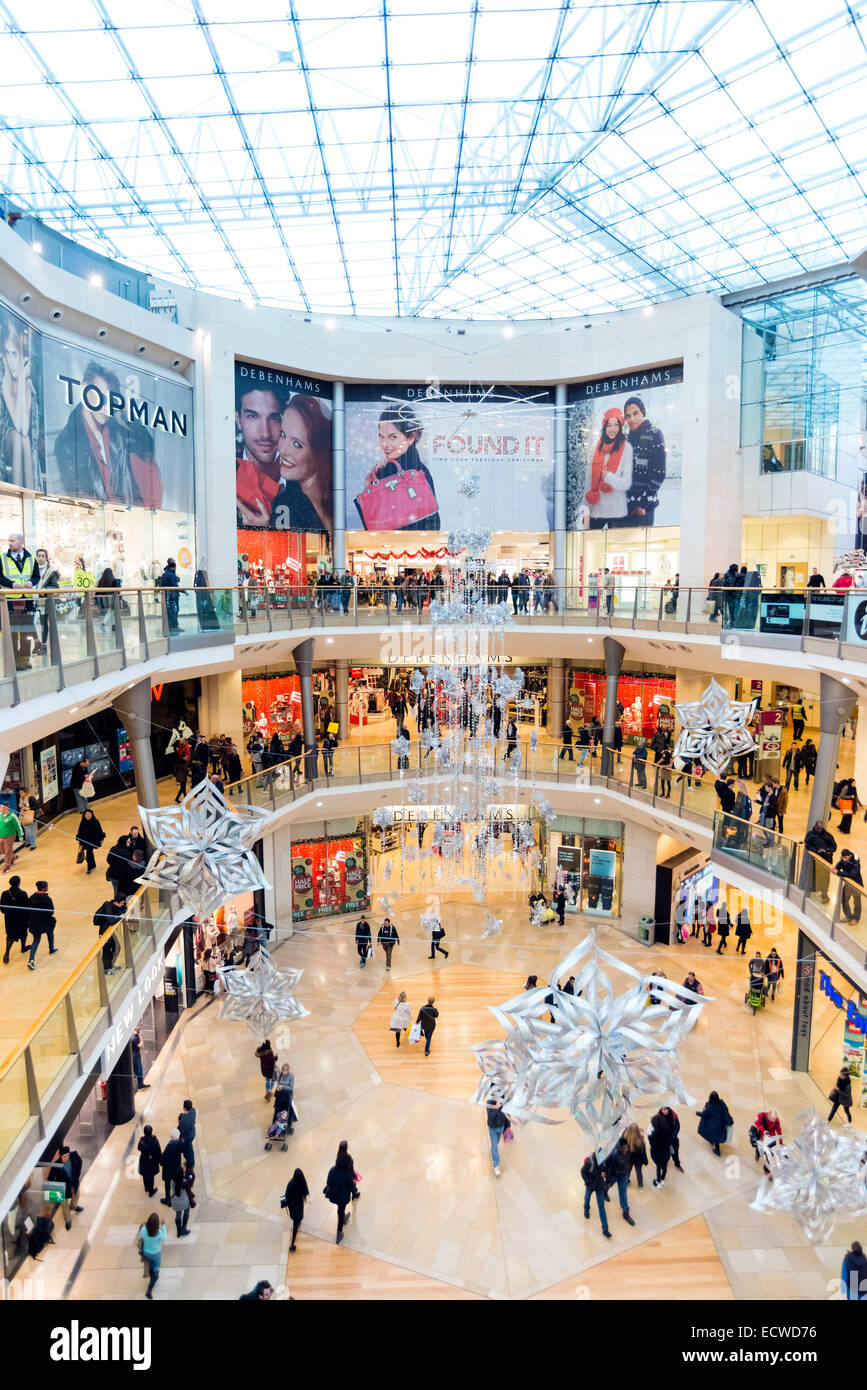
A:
<point x="22" y="442"/>
<point x="569" y="874"/>
<point x="770" y="740"/>
<point x="116" y="433"/>
<point x="407" y="448"/>
<point x="283" y="450"/>
<point x="48" y="773"/>
<point x="625" y="450"/>
<point x="856" y="618"/>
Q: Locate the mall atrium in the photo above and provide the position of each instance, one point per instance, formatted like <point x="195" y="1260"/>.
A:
<point x="433" y="678"/>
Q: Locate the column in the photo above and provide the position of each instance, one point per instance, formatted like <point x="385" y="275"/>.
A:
<point x="189" y="965"/>
<point x="555" y="697"/>
<point x="614" y="653"/>
<point x="836" y="703"/>
<point x="220" y="707"/>
<point x="133" y="709"/>
<point x="338" y="535"/>
<point x="861" y="749"/>
<point x="120" y="1095"/>
<point x="638" y="887"/>
<point x="802" y="1020"/>
<point x="561" y="419"/>
<point x="341" y="687"/>
<point x="303" y="657"/>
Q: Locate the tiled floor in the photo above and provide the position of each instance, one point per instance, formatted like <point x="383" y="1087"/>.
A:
<point x="433" y="1221"/>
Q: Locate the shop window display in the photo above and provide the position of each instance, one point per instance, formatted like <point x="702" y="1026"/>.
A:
<point x="329" y="875"/>
<point x="585" y="858"/>
<point x="645" y="702"/>
<point x="271" y="701"/>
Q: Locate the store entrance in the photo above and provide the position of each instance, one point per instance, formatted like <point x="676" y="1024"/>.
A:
<point x="376" y="556"/>
<point x="426" y="852"/>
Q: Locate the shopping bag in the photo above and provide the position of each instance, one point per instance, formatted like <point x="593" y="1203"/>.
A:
<point x="508" y="1135"/>
<point x="415" y="1033"/>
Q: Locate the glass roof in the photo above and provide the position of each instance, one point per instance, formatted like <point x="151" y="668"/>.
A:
<point x="475" y="158"/>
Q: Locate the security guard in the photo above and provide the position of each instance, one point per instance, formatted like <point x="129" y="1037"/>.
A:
<point x="648" y="464"/>
<point x="17" y="566"/>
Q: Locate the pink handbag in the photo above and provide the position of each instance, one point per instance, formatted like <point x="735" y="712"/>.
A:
<point x="390" y="504"/>
<point x="508" y="1136"/>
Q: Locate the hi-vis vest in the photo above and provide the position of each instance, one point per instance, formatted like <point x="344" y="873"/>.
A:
<point x="10" y="569"/>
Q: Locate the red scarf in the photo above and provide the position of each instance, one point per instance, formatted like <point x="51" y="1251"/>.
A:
<point x="606" y="459"/>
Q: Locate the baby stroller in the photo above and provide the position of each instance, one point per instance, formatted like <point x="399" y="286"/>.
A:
<point x="279" y="1130"/>
<point x="755" y="995"/>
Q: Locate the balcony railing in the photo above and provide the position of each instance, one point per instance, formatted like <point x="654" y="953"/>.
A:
<point x="54" y="638"/>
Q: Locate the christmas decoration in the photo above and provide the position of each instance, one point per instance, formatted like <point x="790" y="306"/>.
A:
<point x="818" y="1176"/>
<point x="715" y="729"/>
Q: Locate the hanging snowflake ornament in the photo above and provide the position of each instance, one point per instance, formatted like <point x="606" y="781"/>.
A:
<point x="492" y="926"/>
<point x="818" y="1176"/>
<point x="545" y="810"/>
<point x="603" y="1053"/>
<point x="429" y="921"/>
<point x="537" y="914"/>
<point x="203" y="850"/>
<point x="386" y="904"/>
<point x="415" y="793"/>
<point x="470" y="485"/>
<point x="383" y="817"/>
<point x="715" y="729"/>
<point x="261" y="995"/>
<point x="416" y="682"/>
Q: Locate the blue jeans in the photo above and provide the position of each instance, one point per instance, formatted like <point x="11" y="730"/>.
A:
<point x="585" y="749"/>
<point x="495" y="1135"/>
<point x="622" y="1190"/>
<point x="30" y="831"/>
<point x="270" y="1082"/>
<point x="427" y="1038"/>
<point x="81" y="801"/>
<point x="137" y="1067"/>
<point x="34" y="946"/>
<point x="600" y="1202"/>
<point x="153" y="1264"/>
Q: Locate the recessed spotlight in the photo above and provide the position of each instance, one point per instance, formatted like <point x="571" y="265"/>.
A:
<point x="597" y="800"/>
<point x="176" y="362"/>
<point x="25" y="298"/>
<point x="56" y="314"/>
<point x="329" y="639"/>
<point x="95" y="279"/>
<point x="101" y="333"/>
<point x="845" y="680"/>
<point x="319" y="803"/>
<point x="141" y="349"/>
<point x="73" y="709"/>
<point x="508" y="331"/>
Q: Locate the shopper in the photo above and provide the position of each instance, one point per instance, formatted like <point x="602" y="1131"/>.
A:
<point x="848" y="867"/>
<point x="388" y="938"/>
<point x="594" y="1185"/>
<point x="187" y="1127"/>
<point x="427" y="1018"/>
<point x="150" y="1244"/>
<point x="782" y="805"/>
<point x="566" y="742"/>
<point x="329" y="743"/>
<point x="639" y="763"/>
<point x="340" y="1186"/>
<point x="260" y="1293"/>
<point x="714" y="596"/>
<point x="81" y="783"/>
<point x="498" y="1125"/>
<point x="793" y="763"/>
<point x="665" y="762"/>
<point x="847" y="804"/>
<point x="10" y="831"/>
<point x="267" y="1066"/>
<point x="42" y="921"/>
<point x="723" y="926"/>
<point x="436" y="936"/>
<point x="106" y="917"/>
<point x="294" y="1197"/>
<point x="401" y="1017"/>
<point x="90" y="836"/>
<point x="560" y="905"/>
<point x="171" y="1164"/>
<point x="714" y="1122"/>
<point x="363" y="941"/>
<point x="183" y="1201"/>
<point x="809" y="754"/>
<point x="799" y="719"/>
<point x="284" y="1093"/>
<point x="841" y="1095"/>
<point x="743" y="932"/>
<point x="709" y="925"/>
<point x="853" y="1274"/>
<point x="773" y="972"/>
<point x="617" y="1170"/>
<point x="138" y="1070"/>
<point x="636" y="1152"/>
<point x="511" y="737"/>
<point x="820" y="842"/>
<point x="150" y="1154"/>
<point x="27" y="809"/>
<point x="693" y="984"/>
<point x="66" y="1169"/>
<point x="766" y="1126"/>
<point x="15" y="906"/>
<point x="169" y="581"/>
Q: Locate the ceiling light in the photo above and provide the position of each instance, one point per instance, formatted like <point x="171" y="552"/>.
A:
<point x="508" y="331"/>
<point x="330" y="325"/>
<point x="597" y="800"/>
<point x="73" y="709"/>
<point x="95" y="279"/>
<point x="37" y="247"/>
<point x="329" y="639"/>
<point x="319" y="803"/>
<point x="647" y="310"/>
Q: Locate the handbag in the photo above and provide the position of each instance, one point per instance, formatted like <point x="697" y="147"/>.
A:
<point x="390" y="504"/>
<point x="730" y="1129"/>
<point x="508" y="1135"/>
<point x="415" y="1033"/>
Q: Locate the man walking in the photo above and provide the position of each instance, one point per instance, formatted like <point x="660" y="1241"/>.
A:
<point x="427" y="1018"/>
<point x="594" y="1184"/>
<point x="617" y="1169"/>
<point x="104" y="919"/>
<point x="187" y="1130"/>
<point x="136" y="1060"/>
<point x="566" y="741"/>
<point x="15" y="906"/>
<point x="10" y="831"/>
<point x="608" y="585"/>
<point x="172" y="1165"/>
<point x="40" y="912"/>
<point x="67" y="1169"/>
<point x="388" y="938"/>
<point x="76" y="782"/>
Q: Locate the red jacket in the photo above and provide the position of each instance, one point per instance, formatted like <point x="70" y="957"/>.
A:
<point x="768" y="1128"/>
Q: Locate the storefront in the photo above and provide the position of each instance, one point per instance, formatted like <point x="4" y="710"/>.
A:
<point x="830" y="1024"/>
<point x="373" y="557"/>
<point x="697" y="889"/>
<point x="645" y="700"/>
<point x="271" y="701"/>
<point x="329" y="868"/>
<point x="585" y="858"/>
<point x="642" y="561"/>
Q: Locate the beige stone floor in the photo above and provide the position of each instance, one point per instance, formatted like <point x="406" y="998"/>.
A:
<point x="431" y="1206"/>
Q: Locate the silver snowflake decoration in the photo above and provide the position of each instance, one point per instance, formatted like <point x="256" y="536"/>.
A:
<point x="386" y="905"/>
<point x="386" y="870"/>
<point x="818" y="1176"/>
<point x="429" y="921"/>
<point x="545" y="810"/>
<point x="416" y="682"/>
<point x="383" y="817"/>
<point x="603" y="1052"/>
<point x="474" y="539"/>
<point x="715" y="728"/>
<point x="261" y="995"/>
<point x="203" y="850"/>
<point x="415" y="793"/>
<point x="470" y="485"/>
<point x="492" y="926"/>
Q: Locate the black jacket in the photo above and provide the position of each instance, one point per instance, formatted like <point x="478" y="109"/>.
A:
<point x="427" y="1017"/>
<point x="362" y="932"/>
<point x="90" y="832"/>
<point x="726" y="795"/>
<point x="77" y="776"/>
<point x="648" y="471"/>
<point x="592" y="1175"/>
<point x="79" y="471"/>
<point x="713" y="1121"/>
<point x="187" y="1124"/>
<point x="106" y="915"/>
<point x="150" y="1155"/>
<point x="842" y="1092"/>
<point x="849" y="868"/>
<point x="172" y="1159"/>
<point x="14" y="904"/>
<point x="294" y="1197"/>
<point x="617" y="1163"/>
<point x="820" y="842"/>
<point x="339" y="1186"/>
<point x="41" y="912"/>
<point x="386" y="934"/>
<point x="57" y="1172"/>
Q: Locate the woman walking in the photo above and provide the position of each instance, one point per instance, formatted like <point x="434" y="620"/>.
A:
<point x="90" y="836"/>
<point x="267" y="1066"/>
<point x="150" y="1246"/>
<point x="659" y="1137"/>
<point x="853" y="1274"/>
<point x="498" y="1125"/>
<point x="340" y="1186"/>
<point x="636" y="1152"/>
<point x="294" y="1198"/>
<point x="149" y="1159"/>
<point x="183" y="1201"/>
<point x="401" y="1017"/>
<point x="714" y="1121"/>
<point x="841" y="1095"/>
<point x="723" y="927"/>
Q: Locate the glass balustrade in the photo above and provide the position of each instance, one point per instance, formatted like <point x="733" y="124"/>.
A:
<point x="757" y="846"/>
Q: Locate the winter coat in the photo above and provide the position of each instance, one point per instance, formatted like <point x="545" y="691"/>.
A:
<point x="401" y="1017"/>
<point x="713" y="1122"/>
<point x="427" y="1017"/>
<point x="637" y="1157"/>
<point x="150" y="1154"/>
<point x="339" y="1186"/>
<point x="90" y="832"/>
<point x="267" y="1060"/>
<point x="14" y="904"/>
<point x="853" y="1276"/>
<point x="743" y="930"/>
<point x="497" y="1117"/>
<point x="842" y="1092"/>
<point x="294" y="1198"/>
<point x="387" y="936"/>
<point x="41" y="910"/>
<point x="659" y="1137"/>
<point x="171" y="1160"/>
<point x="617" y="1163"/>
<point x="592" y="1174"/>
<point x="820" y="842"/>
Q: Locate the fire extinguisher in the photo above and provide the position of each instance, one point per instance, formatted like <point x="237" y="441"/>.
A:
<point x="102" y="1090"/>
